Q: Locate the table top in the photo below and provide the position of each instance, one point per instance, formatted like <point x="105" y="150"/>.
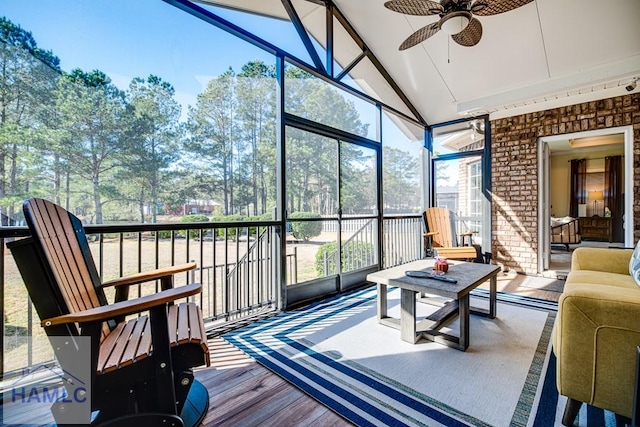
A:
<point x="468" y="274"/>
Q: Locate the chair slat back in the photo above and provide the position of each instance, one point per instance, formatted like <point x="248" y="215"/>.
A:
<point x="441" y="220"/>
<point x="62" y="242"/>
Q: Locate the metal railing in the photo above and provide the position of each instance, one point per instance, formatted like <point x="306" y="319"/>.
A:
<point x="402" y="240"/>
<point x="236" y="265"/>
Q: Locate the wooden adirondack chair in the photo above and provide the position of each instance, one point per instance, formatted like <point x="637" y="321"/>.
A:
<point x="141" y="368"/>
<point x="441" y="232"/>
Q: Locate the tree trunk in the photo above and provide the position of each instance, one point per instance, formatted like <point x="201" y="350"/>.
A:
<point x="96" y="198"/>
<point x="67" y="189"/>
<point x="12" y="180"/>
<point x="225" y="188"/>
<point x="57" y="172"/>
<point x="3" y="185"/>
<point x="141" y="205"/>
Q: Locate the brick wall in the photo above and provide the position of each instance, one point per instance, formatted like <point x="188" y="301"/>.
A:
<point x="514" y="155"/>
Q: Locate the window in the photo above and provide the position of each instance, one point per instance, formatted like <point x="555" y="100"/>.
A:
<point x="475" y="195"/>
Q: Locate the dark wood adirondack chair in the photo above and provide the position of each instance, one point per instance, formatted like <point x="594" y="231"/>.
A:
<point x="141" y="366"/>
<point x="441" y="235"/>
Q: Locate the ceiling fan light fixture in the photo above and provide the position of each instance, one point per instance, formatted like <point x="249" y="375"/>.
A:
<point x="455" y="22"/>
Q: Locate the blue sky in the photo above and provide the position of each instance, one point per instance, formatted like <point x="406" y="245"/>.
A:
<point x="127" y="39"/>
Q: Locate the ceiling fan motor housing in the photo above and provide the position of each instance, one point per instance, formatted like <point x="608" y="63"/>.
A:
<point x="454" y="22"/>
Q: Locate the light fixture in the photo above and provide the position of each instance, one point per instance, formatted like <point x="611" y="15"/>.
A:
<point x="631" y="86"/>
<point x="594" y="141"/>
<point x="595" y="196"/>
<point x="455" y="22"/>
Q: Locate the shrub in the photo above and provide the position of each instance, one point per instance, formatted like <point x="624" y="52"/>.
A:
<point x="355" y="255"/>
<point x="231" y="232"/>
<point x="264" y="217"/>
<point x="162" y="234"/>
<point x="192" y="218"/>
<point x="328" y="250"/>
<point x="305" y="230"/>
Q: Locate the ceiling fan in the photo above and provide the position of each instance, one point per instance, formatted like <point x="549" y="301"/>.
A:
<point x="456" y="17"/>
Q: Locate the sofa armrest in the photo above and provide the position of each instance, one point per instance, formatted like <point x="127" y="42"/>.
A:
<point x="601" y="259"/>
<point x="596" y="334"/>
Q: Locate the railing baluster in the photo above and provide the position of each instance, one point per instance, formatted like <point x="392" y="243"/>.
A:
<point x="156" y="243"/>
<point x="214" y="297"/>
<point x="3" y="283"/>
<point x="247" y="270"/>
<point x="101" y="252"/>
<point x="29" y="332"/>
<point x="226" y="273"/>
<point x="187" y="257"/>
<point x="201" y="266"/>
<point x="139" y="260"/>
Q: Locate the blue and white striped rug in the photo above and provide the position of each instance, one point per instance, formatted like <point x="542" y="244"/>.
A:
<point x="336" y="352"/>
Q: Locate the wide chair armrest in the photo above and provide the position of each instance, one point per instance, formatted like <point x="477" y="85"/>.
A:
<point x="124" y="308"/>
<point x="147" y="276"/>
<point x="601" y="259"/>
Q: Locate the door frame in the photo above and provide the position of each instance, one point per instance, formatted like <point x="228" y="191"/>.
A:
<point x="543" y="180"/>
<point x="544" y="215"/>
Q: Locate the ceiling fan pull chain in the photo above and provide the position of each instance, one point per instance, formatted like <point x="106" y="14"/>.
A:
<point x="448" y="50"/>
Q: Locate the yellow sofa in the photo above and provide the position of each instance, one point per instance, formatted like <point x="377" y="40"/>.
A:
<point x="597" y="332"/>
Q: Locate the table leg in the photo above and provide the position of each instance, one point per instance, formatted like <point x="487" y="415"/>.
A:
<point x="382" y="301"/>
<point x="408" y="316"/>
<point x="463" y="313"/>
<point x="493" y="285"/>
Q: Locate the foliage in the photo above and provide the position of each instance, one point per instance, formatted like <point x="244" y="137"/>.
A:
<point x="162" y="234"/>
<point x="355" y="254"/>
<point x="401" y="177"/>
<point x="77" y="139"/>
<point x="27" y="79"/>
<point x="231" y="233"/>
<point x="93" y="115"/>
<point x="267" y="216"/>
<point x="193" y="218"/>
<point x="154" y="137"/>
<point x="305" y="230"/>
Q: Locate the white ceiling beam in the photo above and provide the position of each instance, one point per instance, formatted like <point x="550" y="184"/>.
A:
<point x="621" y="71"/>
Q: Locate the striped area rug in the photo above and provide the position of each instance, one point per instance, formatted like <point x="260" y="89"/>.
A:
<point x="336" y="352"/>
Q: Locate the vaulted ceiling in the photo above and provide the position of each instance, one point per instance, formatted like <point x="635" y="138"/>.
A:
<point x="544" y="54"/>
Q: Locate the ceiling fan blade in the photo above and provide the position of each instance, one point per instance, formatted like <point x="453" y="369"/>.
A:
<point x="415" y="7"/>
<point x="495" y="7"/>
<point x="419" y="36"/>
<point x="471" y="35"/>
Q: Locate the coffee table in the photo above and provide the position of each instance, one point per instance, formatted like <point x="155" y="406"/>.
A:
<point x="469" y="276"/>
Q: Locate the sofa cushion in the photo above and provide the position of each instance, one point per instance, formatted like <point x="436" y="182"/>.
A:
<point x="600" y="278"/>
<point x="634" y="264"/>
<point x="601" y="259"/>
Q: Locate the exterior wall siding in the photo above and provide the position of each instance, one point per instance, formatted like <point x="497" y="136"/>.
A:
<point x="514" y="147"/>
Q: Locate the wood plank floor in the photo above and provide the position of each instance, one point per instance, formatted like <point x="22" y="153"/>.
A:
<point x="243" y="393"/>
